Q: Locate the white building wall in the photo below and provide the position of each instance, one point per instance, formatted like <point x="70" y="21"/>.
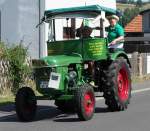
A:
<point x="148" y="64"/>
<point x="18" y="23"/>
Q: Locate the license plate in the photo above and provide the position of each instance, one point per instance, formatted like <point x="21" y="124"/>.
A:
<point x="54" y="81"/>
<point x="44" y="84"/>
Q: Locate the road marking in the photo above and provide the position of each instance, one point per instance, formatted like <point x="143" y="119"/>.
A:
<point x="99" y="98"/>
<point x="140" y="90"/>
<point x="2" y="118"/>
<point x="133" y="92"/>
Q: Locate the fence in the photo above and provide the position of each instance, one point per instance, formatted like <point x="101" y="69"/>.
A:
<point x="138" y="49"/>
<point x="139" y="63"/>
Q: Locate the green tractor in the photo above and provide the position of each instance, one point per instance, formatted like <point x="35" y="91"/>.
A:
<point x="76" y="66"/>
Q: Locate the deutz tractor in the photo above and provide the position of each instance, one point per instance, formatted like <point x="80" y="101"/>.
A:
<point x="77" y="66"/>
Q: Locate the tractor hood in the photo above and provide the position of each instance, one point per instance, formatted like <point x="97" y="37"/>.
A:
<point x="61" y="60"/>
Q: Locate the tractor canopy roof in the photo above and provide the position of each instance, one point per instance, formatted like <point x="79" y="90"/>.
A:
<point x="82" y="11"/>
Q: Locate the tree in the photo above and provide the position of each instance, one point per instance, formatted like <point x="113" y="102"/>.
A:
<point x="125" y="1"/>
<point x="122" y="1"/>
<point x="131" y="1"/>
<point x="139" y="3"/>
<point x="128" y="15"/>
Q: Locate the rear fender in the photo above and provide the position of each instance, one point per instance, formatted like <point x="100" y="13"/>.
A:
<point x="118" y="54"/>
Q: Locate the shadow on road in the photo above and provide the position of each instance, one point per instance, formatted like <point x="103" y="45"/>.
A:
<point x="7" y="114"/>
<point x="66" y="119"/>
<point x="102" y="110"/>
<point x="43" y="113"/>
<point x="7" y="108"/>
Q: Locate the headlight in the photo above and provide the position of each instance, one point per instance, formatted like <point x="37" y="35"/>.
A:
<point x="72" y="75"/>
<point x="38" y="63"/>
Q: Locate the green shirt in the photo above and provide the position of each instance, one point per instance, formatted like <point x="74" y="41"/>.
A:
<point x="114" y="32"/>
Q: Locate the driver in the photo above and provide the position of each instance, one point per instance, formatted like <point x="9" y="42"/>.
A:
<point x="115" y="33"/>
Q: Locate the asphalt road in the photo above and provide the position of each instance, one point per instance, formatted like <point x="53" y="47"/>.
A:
<point x="135" y="118"/>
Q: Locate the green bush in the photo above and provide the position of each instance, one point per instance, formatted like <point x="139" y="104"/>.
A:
<point x="19" y="68"/>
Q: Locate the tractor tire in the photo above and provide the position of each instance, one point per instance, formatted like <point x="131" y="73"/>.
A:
<point x="65" y="106"/>
<point x="117" y="89"/>
<point x="26" y="104"/>
<point x="85" y="102"/>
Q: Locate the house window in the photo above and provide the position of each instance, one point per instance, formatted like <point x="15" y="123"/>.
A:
<point x="0" y="25"/>
<point x="149" y="21"/>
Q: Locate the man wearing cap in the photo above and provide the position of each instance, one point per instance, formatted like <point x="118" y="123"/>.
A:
<point x="115" y="33"/>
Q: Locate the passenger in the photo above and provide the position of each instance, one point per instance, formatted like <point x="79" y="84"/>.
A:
<point x="84" y="32"/>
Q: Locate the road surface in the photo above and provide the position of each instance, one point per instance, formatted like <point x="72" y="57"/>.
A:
<point x="49" y="118"/>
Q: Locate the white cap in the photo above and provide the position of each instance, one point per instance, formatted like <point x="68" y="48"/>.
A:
<point x="113" y="17"/>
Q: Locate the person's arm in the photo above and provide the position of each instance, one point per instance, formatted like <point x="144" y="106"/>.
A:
<point x="120" y="34"/>
<point x="117" y="40"/>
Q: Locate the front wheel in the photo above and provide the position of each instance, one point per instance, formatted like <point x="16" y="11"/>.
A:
<point x="85" y="102"/>
<point x="117" y="90"/>
<point x="25" y="104"/>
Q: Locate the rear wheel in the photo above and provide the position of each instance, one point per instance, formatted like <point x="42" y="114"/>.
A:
<point x="117" y="90"/>
<point x="25" y="104"/>
<point x="85" y="102"/>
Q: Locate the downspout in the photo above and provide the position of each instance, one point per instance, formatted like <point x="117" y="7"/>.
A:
<point x="39" y="29"/>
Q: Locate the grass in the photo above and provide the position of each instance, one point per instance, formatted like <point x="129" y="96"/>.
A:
<point x="124" y="6"/>
<point x="9" y="98"/>
<point x="137" y="79"/>
<point x="5" y="100"/>
<point x="146" y="6"/>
